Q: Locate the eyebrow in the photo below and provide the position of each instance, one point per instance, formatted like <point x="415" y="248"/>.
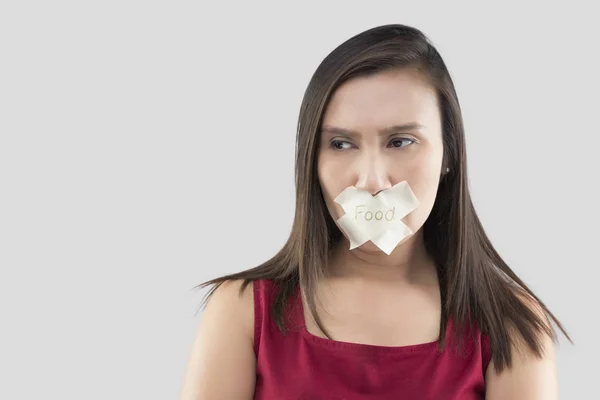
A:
<point x="385" y="131"/>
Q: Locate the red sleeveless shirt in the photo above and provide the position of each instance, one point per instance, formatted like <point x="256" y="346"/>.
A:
<point x="300" y="365"/>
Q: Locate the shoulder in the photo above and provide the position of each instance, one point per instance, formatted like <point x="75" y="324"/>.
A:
<point x="231" y="307"/>
<point x="239" y="302"/>
<point x="544" y="332"/>
<point x="222" y="351"/>
<point x="234" y="290"/>
<point x="233" y="298"/>
<point x="532" y="375"/>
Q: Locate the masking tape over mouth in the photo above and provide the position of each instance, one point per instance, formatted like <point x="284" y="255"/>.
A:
<point x="376" y="218"/>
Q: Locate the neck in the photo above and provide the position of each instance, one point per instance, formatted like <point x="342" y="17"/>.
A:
<point x="408" y="262"/>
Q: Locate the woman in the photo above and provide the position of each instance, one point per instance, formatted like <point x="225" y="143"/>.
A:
<point x="440" y="317"/>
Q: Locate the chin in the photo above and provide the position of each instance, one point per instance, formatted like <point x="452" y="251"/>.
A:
<point x="370" y="247"/>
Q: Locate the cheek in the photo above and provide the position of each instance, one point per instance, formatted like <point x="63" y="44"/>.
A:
<point x="332" y="178"/>
<point x="329" y="194"/>
<point x="423" y="179"/>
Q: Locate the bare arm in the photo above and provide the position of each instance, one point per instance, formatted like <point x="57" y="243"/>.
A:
<point x="530" y="377"/>
<point x="222" y="364"/>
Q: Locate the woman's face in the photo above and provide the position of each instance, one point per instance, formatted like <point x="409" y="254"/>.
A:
<point x="378" y="131"/>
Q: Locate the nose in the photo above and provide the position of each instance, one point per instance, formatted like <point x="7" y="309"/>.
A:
<point x="373" y="174"/>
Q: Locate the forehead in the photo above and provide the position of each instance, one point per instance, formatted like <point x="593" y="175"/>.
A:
<point x="386" y="98"/>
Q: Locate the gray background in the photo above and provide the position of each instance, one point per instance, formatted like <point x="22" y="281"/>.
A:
<point x="130" y="129"/>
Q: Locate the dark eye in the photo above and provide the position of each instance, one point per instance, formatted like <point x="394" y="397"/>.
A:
<point x="340" y="144"/>
<point x="401" y="142"/>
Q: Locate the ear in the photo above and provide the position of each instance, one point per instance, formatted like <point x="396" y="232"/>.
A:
<point x="445" y="167"/>
<point x="445" y="170"/>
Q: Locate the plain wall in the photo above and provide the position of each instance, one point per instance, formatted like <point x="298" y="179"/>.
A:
<point x="148" y="146"/>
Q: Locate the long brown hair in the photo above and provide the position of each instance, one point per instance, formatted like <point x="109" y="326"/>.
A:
<point x="476" y="285"/>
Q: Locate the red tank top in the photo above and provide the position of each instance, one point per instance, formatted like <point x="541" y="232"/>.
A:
<point x="300" y="365"/>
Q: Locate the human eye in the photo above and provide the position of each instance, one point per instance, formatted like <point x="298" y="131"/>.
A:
<point x="337" y="144"/>
<point x="401" y="142"/>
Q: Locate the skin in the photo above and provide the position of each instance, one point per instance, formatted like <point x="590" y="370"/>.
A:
<point x="222" y="364"/>
<point x="367" y="296"/>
